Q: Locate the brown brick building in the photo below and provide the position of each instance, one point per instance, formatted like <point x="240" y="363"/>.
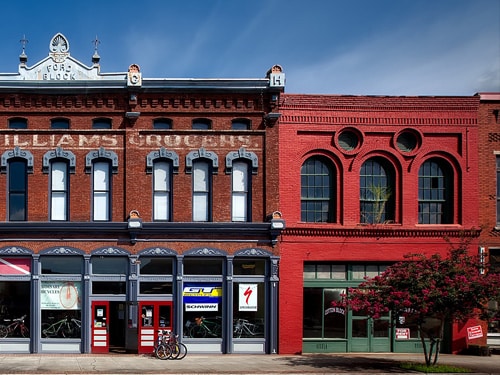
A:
<point x="135" y="204"/>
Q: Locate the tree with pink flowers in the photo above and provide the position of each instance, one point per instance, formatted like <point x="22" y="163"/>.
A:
<point x="429" y="289"/>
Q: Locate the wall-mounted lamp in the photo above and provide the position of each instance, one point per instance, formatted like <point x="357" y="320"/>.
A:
<point x="132" y="115"/>
<point x="134" y="223"/>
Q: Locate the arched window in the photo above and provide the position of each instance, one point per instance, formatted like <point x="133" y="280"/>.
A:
<point x="59" y="164"/>
<point x="317" y="191"/>
<point x="17" y="164"/>
<point x="162" y="190"/>
<point x="101" y="164"/>
<point x="377" y="191"/>
<point x="240" y="191"/>
<point x="101" y="190"/>
<point x="202" y="164"/>
<point x="18" y="190"/>
<point x="435" y="192"/>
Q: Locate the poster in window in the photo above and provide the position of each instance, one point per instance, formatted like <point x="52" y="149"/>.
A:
<point x="247" y="297"/>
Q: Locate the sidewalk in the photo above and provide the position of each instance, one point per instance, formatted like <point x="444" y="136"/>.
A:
<point x="354" y="363"/>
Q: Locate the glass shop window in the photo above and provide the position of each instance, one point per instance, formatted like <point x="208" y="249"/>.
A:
<point x="202" y="316"/>
<point x="61" y="306"/>
<point x="56" y="265"/>
<point x="321" y="320"/>
<point x="15" y="307"/>
<point x="156" y="266"/>
<point x="102" y="265"/>
<point x="246" y="266"/>
<point x="248" y="310"/>
<point x="202" y="266"/>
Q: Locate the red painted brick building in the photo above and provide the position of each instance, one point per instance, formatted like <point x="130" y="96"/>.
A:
<point x="365" y="180"/>
<point x="134" y="204"/>
<point x="489" y="188"/>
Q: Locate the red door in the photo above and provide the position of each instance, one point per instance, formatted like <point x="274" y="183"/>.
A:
<point x="100" y="327"/>
<point x="153" y="316"/>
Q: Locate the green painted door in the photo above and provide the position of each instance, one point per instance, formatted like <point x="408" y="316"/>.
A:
<point x="370" y="335"/>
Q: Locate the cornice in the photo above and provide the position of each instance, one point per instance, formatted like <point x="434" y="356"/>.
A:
<point x="376" y="231"/>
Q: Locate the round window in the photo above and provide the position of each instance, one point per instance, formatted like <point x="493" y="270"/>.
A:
<point x="348" y="140"/>
<point x="407" y="141"/>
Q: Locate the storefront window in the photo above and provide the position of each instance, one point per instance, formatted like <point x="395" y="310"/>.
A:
<point x="56" y="265"/>
<point x="248" y="310"/>
<point x="109" y="287"/>
<point x="202" y="266"/>
<point x="406" y="327"/>
<point x="109" y="265"/>
<point x="249" y="267"/>
<point x="321" y="319"/>
<point x="202" y="310"/>
<point x="60" y="302"/>
<point x="153" y="287"/>
<point x="156" y="266"/>
<point x="15" y="307"/>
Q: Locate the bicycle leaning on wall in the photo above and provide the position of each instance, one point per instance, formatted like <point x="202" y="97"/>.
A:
<point x="16" y="328"/>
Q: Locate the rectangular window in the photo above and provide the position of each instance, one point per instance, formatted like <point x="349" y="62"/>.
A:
<point x="101" y="190"/>
<point x="161" y="190"/>
<point x="201" y="191"/>
<point x="18" y="190"/>
<point x="498" y="189"/>
<point x="59" y="191"/>
<point x="239" y="187"/>
<point x="321" y="320"/>
<point x="15" y="304"/>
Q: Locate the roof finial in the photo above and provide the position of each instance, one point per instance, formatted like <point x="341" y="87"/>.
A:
<point x="96" y="57"/>
<point x="23" y="58"/>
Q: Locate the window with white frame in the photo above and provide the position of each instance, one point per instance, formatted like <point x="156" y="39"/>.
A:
<point x="162" y="198"/>
<point x="59" y="186"/>
<point x="201" y="191"/>
<point x="101" y="191"/>
<point x="240" y="182"/>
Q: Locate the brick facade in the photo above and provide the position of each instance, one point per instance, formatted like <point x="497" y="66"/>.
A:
<point x="311" y="125"/>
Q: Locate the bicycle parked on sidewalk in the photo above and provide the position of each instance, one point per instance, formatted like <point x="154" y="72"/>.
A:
<point x="167" y="346"/>
<point x="16" y="328"/>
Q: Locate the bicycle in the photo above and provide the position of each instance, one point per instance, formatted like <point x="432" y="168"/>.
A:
<point x="168" y="347"/>
<point x="243" y="327"/>
<point x="67" y="327"/>
<point x="17" y="326"/>
<point x="204" y="328"/>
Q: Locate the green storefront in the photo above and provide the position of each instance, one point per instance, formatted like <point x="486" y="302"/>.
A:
<point x="328" y="329"/>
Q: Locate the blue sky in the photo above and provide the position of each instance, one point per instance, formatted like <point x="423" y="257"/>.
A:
<point x="352" y="47"/>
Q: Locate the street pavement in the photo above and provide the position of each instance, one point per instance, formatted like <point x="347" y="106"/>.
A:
<point x="237" y="364"/>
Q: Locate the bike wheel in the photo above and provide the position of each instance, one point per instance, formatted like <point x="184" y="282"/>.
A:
<point x="198" y="331"/>
<point x="180" y="351"/>
<point x="163" y="351"/>
<point x="46" y="330"/>
<point x="25" y="332"/>
<point x="4" y="331"/>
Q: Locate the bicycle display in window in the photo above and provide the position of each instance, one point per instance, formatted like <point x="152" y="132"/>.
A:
<point x="68" y="327"/>
<point x="14" y="328"/>
<point x="202" y="327"/>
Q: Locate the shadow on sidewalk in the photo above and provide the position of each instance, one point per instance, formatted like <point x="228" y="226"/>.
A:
<point x="339" y="363"/>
